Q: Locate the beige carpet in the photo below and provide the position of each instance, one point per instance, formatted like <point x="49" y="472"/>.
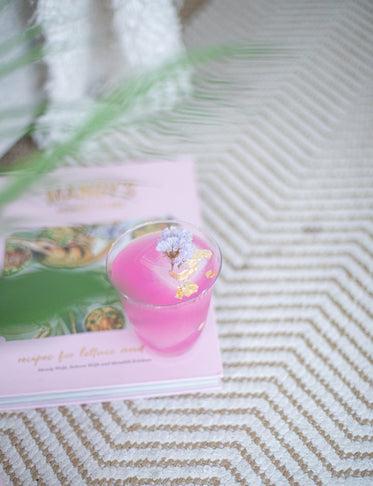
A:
<point x="285" y="171"/>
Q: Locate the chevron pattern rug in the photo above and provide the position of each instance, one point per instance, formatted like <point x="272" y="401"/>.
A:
<point x="285" y="172"/>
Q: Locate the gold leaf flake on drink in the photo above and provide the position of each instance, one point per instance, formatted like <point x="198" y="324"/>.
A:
<point x="179" y="293"/>
<point x="186" y="290"/>
<point x="200" y="327"/>
<point x="199" y="254"/>
<point x="192" y="264"/>
<point x="187" y="272"/>
<point x="211" y="274"/>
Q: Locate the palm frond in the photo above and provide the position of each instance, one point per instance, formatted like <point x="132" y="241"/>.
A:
<point x="120" y="101"/>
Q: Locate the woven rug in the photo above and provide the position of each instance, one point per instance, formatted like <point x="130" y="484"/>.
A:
<point x="285" y="172"/>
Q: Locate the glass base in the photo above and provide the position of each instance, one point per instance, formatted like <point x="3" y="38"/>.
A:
<point x="176" y="350"/>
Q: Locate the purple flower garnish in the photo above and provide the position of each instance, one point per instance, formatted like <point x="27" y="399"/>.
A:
<point x="176" y="244"/>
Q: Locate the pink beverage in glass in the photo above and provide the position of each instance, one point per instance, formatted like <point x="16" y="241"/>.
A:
<point x="165" y="294"/>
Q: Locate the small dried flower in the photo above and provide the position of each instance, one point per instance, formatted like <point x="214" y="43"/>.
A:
<point x="176" y="244"/>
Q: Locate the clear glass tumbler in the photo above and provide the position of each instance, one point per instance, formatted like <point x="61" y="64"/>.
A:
<point x="165" y="296"/>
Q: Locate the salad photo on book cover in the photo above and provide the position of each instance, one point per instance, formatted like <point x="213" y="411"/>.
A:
<point x="69" y="248"/>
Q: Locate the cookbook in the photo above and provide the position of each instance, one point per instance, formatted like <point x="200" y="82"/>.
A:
<point x="88" y="351"/>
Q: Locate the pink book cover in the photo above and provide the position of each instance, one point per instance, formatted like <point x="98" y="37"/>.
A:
<point x="65" y="360"/>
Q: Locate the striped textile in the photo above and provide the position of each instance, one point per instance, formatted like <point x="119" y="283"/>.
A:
<point x="285" y="170"/>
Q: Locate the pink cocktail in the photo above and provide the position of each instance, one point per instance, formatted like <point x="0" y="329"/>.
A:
<point x="164" y="272"/>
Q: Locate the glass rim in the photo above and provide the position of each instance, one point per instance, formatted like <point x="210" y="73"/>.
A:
<point x="168" y="221"/>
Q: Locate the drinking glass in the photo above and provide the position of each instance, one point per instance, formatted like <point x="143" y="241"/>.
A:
<point x="166" y="303"/>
